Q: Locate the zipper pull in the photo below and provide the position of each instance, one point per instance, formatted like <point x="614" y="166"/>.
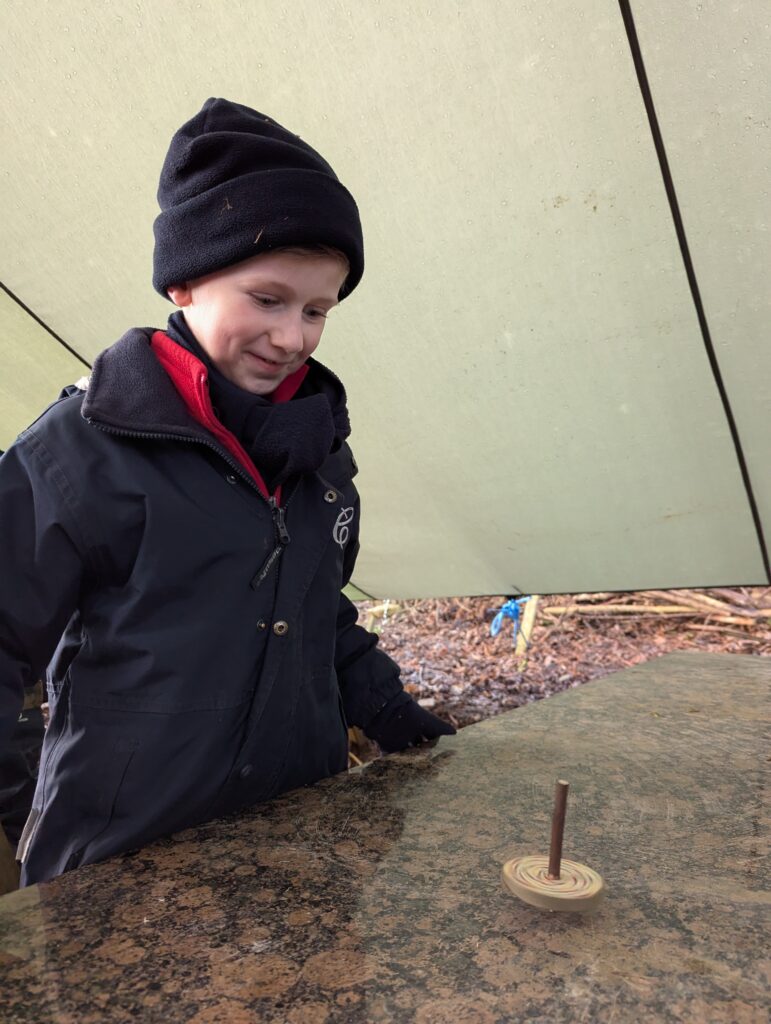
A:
<point x="280" y="523"/>
<point x="283" y="539"/>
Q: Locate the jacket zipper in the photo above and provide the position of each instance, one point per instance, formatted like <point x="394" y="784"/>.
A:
<point x="277" y="511"/>
<point x="190" y="440"/>
<point x="282" y="539"/>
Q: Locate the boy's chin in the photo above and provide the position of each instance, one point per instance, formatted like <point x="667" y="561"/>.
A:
<point x="259" y="386"/>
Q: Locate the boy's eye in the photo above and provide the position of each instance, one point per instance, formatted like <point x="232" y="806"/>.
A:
<point x="316" y="314"/>
<point x="265" y="300"/>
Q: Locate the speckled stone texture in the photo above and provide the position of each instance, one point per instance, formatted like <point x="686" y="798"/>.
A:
<point x="376" y="896"/>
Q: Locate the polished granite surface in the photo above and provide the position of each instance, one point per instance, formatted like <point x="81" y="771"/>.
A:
<point x="376" y="896"/>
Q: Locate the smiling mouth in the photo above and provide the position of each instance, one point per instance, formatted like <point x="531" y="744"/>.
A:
<point x="267" y="364"/>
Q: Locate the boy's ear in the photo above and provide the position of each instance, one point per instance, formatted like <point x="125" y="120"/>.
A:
<point x="180" y="294"/>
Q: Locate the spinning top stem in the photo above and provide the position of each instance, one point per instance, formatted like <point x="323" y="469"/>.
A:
<point x="557" y="828"/>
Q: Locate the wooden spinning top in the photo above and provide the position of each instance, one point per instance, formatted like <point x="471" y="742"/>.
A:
<point x="552" y="883"/>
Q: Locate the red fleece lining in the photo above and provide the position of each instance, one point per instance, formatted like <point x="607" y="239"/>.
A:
<point x="189" y="376"/>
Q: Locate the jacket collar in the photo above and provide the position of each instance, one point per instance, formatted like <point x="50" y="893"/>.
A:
<point x="130" y="391"/>
<point x="147" y="385"/>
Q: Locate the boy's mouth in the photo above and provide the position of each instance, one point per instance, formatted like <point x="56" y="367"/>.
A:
<point x="268" y="365"/>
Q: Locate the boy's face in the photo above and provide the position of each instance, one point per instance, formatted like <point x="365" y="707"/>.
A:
<point x="259" y="320"/>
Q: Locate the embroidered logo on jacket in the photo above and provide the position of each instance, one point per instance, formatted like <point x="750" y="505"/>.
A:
<point x="340" y="531"/>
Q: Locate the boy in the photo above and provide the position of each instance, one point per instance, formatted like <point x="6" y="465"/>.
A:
<point x="183" y="527"/>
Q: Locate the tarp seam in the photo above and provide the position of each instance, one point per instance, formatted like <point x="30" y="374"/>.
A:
<point x="658" y="141"/>
<point x="44" y="325"/>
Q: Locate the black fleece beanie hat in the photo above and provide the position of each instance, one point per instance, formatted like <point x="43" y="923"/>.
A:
<point x="234" y="184"/>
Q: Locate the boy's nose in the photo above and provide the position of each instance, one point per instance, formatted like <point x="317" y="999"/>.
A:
<point x="288" y="336"/>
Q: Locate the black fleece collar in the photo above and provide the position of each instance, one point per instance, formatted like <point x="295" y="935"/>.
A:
<point x="130" y="391"/>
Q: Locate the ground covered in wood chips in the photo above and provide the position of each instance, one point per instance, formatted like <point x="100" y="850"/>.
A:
<point x="452" y="665"/>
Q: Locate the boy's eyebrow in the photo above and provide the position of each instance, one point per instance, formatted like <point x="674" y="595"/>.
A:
<point x="263" y="285"/>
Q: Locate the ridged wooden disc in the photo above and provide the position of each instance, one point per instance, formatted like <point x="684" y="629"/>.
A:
<point x="578" y="888"/>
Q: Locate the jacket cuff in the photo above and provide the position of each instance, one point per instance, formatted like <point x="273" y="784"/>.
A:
<point x="363" y="702"/>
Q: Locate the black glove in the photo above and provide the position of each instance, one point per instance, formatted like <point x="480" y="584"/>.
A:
<point x="403" y="723"/>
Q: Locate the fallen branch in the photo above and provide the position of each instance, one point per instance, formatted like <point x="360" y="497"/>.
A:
<point x="726" y="631"/>
<point x="383" y="612"/>
<point x="614" y="609"/>
<point x="643" y="610"/>
<point x="709" y="605"/>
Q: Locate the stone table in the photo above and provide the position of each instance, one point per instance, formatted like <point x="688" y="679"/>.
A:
<point x="376" y="896"/>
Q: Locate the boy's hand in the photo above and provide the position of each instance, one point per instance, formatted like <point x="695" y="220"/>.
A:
<point x="403" y="723"/>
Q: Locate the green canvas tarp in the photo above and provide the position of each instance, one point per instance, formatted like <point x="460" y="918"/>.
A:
<point x="535" y="405"/>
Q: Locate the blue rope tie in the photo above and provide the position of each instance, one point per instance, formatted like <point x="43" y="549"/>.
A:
<point x="509" y="610"/>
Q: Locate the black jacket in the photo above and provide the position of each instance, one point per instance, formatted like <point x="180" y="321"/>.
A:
<point x="199" y="669"/>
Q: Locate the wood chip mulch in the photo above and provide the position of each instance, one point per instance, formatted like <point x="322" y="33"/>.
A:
<point x="452" y="665"/>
